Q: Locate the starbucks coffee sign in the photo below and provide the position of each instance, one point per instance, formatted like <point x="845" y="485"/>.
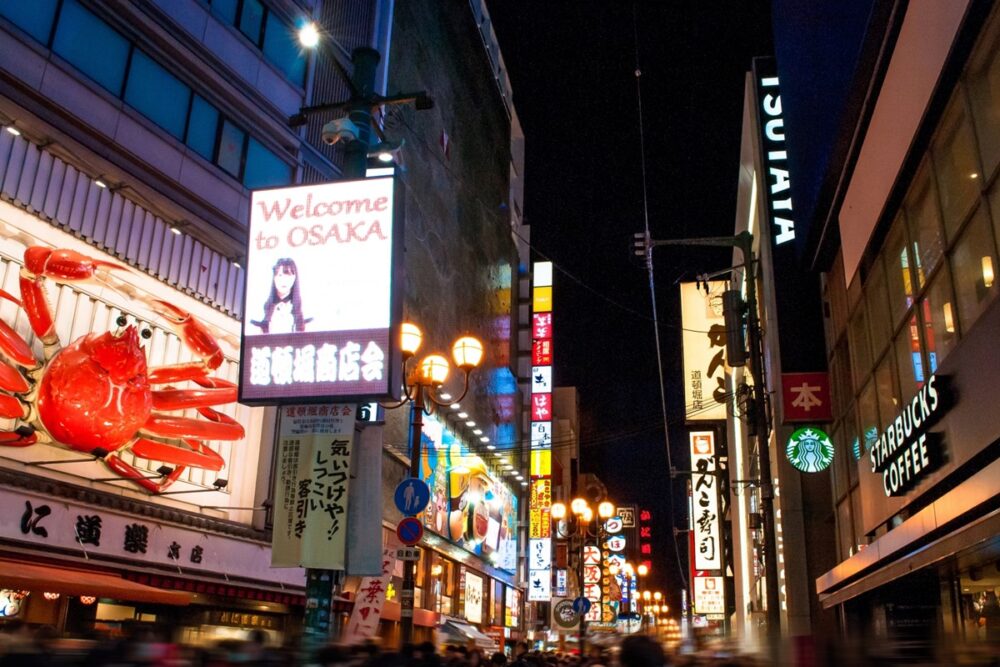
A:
<point x="905" y="452"/>
<point x="810" y="449"/>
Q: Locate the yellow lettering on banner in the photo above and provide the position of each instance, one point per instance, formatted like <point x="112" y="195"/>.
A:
<point x="541" y="463"/>
<point x="542" y="300"/>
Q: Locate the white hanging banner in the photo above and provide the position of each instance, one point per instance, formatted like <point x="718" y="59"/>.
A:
<point x="370" y="600"/>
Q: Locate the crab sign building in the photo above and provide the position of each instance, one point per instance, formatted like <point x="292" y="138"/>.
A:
<point x="140" y="144"/>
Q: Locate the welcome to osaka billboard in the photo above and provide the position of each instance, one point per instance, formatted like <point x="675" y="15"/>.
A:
<point x="322" y="304"/>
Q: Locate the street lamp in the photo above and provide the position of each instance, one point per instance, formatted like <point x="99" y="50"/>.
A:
<point x="423" y="381"/>
<point x="575" y="525"/>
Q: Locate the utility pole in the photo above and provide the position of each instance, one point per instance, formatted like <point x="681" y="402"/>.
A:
<point x="322" y="586"/>
<point x="758" y="414"/>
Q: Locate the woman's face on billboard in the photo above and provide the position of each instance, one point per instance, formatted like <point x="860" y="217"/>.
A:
<point x="284" y="280"/>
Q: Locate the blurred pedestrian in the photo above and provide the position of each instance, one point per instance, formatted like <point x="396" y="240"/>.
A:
<point x="641" y="651"/>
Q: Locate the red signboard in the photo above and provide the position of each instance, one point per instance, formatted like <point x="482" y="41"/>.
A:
<point x="806" y="397"/>
<point x="541" y="326"/>
<point x="541" y="353"/>
<point x="541" y="407"/>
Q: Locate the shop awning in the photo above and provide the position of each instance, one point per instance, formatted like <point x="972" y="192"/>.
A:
<point x="72" y="581"/>
<point x="456" y="632"/>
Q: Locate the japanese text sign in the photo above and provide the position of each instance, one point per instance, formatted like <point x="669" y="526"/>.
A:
<point x="704" y="339"/>
<point x="540" y="529"/>
<point x="310" y="505"/>
<point x="805" y="397"/>
<point x="704" y="516"/>
<point x="369" y="601"/>
<point x="320" y="302"/>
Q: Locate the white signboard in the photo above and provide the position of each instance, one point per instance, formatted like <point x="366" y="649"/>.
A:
<point x="96" y="533"/>
<point x="320" y="302"/>
<point x="540" y="553"/>
<point x="705" y="502"/>
<point x="709" y="595"/>
<point x="369" y="600"/>
<point x="473" y="598"/>
<point x="704" y="339"/>
<point x="539" y="585"/>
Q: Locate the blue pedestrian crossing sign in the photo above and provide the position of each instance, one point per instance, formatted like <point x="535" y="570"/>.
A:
<point x="412" y="496"/>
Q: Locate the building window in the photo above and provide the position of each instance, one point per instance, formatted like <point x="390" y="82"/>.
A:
<point x="203" y="127"/>
<point x="92" y="46"/>
<point x="35" y="18"/>
<point x="984" y="92"/>
<point x="940" y="318"/>
<point x="264" y="168"/>
<point x="956" y="164"/>
<point x="157" y="94"/>
<point x="857" y="334"/>
<point x="927" y="243"/>
<point x="876" y="298"/>
<point x="897" y="267"/>
<point x="909" y="360"/>
<point x="276" y="39"/>
<point x="974" y="264"/>
<point x="231" y="146"/>
<point x="888" y="396"/>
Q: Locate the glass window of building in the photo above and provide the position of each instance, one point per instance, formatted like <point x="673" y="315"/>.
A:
<point x="858" y="338"/>
<point x="264" y="168"/>
<point x="281" y="47"/>
<point x="909" y="360"/>
<point x="35" y="18"/>
<point x="897" y="271"/>
<point x="940" y="321"/>
<point x="984" y="92"/>
<point x="877" y="300"/>
<point x="868" y="409"/>
<point x="995" y="210"/>
<point x="157" y="94"/>
<point x="231" y="148"/>
<point x="203" y="127"/>
<point x="225" y="10"/>
<point x="252" y="20"/>
<point x="860" y="539"/>
<point x="92" y="46"/>
<point x="956" y="164"/>
<point x="845" y="529"/>
<point x="888" y="396"/>
<point x="842" y="441"/>
<point x="974" y="263"/>
<point x="926" y="240"/>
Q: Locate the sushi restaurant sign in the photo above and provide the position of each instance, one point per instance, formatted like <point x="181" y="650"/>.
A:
<point x="322" y="300"/>
<point x="905" y="452"/>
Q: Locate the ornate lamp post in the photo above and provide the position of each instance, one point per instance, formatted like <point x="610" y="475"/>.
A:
<point x="423" y="381"/>
<point x="576" y="526"/>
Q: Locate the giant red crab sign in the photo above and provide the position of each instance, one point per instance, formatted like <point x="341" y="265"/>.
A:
<point x="95" y="394"/>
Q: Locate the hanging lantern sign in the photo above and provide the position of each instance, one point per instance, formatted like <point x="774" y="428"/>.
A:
<point x="810" y="449"/>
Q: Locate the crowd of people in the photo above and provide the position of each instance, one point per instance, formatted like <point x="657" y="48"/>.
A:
<point x="142" y="645"/>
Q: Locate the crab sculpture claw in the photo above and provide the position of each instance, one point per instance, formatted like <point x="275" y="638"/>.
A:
<point x="196" y="337"/>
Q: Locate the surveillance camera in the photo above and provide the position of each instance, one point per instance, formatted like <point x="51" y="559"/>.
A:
<point x="341" y="129"/>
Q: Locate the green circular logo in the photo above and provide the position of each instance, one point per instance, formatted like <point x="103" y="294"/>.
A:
<point x="810" y="449"/>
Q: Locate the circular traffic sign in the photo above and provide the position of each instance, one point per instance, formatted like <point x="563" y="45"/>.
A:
<point x="412" y="496"/>
<point x="409" y="531"/>
<point x="565" y="614"/>
<point x="581" y="606"/>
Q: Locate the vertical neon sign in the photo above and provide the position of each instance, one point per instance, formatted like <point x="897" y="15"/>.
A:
<point x="539" y="534"/>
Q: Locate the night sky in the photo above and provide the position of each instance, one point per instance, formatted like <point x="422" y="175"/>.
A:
<point x="572" y="68"/>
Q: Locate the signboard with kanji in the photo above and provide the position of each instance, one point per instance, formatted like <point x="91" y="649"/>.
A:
<point x="805" y="397"/>
<point x="310" y="504"/>
<point x="704" y="340"/>
<point x="322" y="301"/>
<point x="369" y="601"/>
<point x="704" y="516"/>
<point x="540" y="529"/>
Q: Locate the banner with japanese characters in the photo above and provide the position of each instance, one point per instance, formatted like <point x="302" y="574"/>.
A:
<point x="704" y="341"/>
<point x="370" y="599"/>
<point x="310" y="504"/>
<point x="322" y="302"/>
<point x="540" y="567"/>
<point x="704" y="515"/>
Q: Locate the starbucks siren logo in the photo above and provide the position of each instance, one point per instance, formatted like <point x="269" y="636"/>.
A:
<point x="810" y="449"/>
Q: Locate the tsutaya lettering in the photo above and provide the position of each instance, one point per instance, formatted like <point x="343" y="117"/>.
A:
<point x="778" y="182"/>
<point x="905" y="451"/>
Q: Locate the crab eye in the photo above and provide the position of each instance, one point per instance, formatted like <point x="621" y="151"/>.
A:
<point x="121" y="321"/>
<point x="147" y="333"/>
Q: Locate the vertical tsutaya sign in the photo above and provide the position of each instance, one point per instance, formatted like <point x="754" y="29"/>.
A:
<point x="540" y="542"/>
<point x="322" y="298"/>
<point x="776" y="180"/>
<point x="310" y="504"/>
<point x="705" y="502"/>
<point x="370" y="599"/>
<point x="704" y="339"/>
